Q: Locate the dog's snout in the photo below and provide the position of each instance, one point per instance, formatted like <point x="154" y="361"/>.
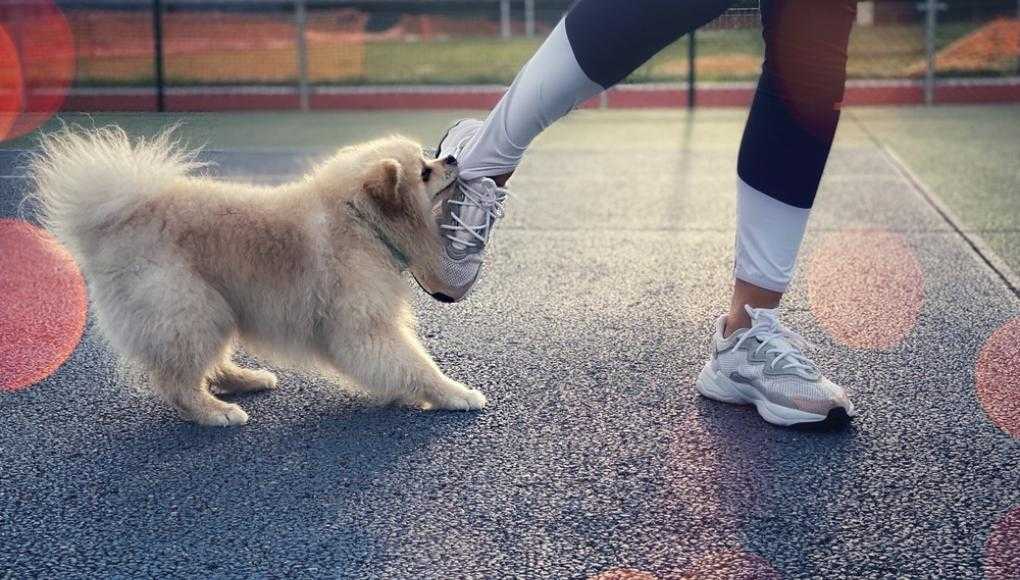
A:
<point x="450" y="160"/>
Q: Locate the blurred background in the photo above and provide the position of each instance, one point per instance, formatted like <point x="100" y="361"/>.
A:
<point x="191" y="55"/>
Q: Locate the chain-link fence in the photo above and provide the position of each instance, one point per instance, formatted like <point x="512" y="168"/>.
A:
<point x="295" y="50"/>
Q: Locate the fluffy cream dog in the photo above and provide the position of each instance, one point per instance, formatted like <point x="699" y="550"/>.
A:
<point x="180" y="265"/>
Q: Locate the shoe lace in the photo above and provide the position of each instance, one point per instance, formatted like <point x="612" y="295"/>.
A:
<point x="776" y="338"/>
<point x="484" y="195"/>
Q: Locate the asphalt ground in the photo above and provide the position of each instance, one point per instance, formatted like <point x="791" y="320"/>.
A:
<point x="596" y="456"/>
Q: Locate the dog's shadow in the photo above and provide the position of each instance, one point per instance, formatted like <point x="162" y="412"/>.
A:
<point x="303" y="468"/>
<point x="329" y="434"/>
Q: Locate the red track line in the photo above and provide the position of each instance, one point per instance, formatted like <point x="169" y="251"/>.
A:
<point x="468" y="97"/>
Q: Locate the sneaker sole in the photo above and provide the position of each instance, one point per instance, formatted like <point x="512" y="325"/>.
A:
<point x="441" y="296"/>
<point x="717" y="387"/>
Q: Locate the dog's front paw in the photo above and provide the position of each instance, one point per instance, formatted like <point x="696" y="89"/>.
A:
<point x="459" y="398"/>
<point x="227" y="415"/>
<point x="475" y="400"/>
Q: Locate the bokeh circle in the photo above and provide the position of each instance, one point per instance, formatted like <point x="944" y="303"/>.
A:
<point x="1002" y="549"/>
<point x="866" y="289"/>
<point x="42" y="42"/>
<point x="42" y="311"/>
<point x="11" y="84"/>
<point x="997" y="377"/>
<point x="731" y="565"/>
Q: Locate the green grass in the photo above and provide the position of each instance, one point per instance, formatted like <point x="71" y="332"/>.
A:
<point x="724" y="55"/>
<point x="460" y="61"/>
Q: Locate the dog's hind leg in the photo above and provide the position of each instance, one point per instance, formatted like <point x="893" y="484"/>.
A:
<point x="181" y="378"/>
<point x="392" y="363"/>
<point x="227" y="377"/>
<point x="179" y="335"/>
<point x="191" y="396"/>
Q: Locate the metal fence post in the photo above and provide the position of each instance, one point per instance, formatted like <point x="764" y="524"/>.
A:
<point x="692" y="74"/>
<point x="931" y="21"/>
<point x="529" y="18"/>
<point x="301" y="22"/>
<point x="504" y="18"/>
<point x="157" y="50"/>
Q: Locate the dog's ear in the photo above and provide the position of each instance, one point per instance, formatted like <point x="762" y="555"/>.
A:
<point x="383" y="184"/>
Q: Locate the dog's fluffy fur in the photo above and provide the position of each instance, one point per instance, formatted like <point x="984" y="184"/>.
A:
<point x="180" y="265"/>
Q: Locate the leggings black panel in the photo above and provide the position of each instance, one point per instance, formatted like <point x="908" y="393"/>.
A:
<point x="611" y="38"/>
<point x="796" y="108"/>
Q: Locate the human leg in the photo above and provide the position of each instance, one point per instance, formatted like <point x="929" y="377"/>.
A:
<point x="596" y="45"/>
<point x="786" y="143"/>
<point x="755" y="358"/>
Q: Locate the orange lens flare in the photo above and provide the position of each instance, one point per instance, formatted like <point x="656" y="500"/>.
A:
<point x="11" y="84"/>
<point x="1002" y="549"/>
<point x="866" y="288"/>
<point x="997" y="377"/>
<point x="731" y="565"/>
<point x="42" y="314"/>
<point x="41" y="42"/>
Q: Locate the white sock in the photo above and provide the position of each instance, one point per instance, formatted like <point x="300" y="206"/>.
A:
<point x="551" y="85"/>
<point x="769" y="233"/>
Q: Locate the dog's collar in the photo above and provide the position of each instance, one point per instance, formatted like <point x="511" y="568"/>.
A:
<point x="395" y="252"/>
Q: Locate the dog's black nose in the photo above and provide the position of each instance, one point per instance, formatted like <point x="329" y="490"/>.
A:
<point x="450" y="160"/>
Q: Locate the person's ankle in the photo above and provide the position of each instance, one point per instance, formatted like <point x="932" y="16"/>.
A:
<point x="502" y="179"/>
<point x="735" y="323"/>
<point x="747" y="294"/>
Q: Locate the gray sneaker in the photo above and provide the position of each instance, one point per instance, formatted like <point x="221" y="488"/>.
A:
<point x="765" y="366"/>
<point x="466" y="212"/>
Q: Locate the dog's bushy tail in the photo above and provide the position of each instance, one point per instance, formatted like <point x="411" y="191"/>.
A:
<point x="83" y="179"/>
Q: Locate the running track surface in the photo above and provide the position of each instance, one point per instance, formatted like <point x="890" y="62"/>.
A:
<point x="596" y="458"/>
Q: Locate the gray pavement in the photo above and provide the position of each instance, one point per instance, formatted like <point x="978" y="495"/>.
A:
<point x="586" y="332"/>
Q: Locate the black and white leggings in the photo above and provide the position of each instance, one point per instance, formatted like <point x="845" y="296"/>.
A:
<point x="789" y="130"/>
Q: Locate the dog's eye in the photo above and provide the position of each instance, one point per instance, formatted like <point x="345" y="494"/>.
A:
<point x="426" y="173"/>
